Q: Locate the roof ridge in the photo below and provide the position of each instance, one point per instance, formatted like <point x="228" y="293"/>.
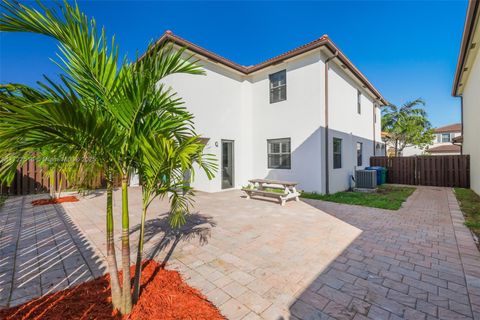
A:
<point x="306" y="45"/>
<point x="322" y="41"/>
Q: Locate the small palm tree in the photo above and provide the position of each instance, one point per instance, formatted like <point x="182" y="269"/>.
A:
<point x="115" y="113"/>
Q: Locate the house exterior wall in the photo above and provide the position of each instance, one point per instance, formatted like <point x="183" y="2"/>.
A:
<point x="220" y="103"/>
<point x="299" y="118"/>
<point x="412" y="151"/>
<point x="471" y="121"/>
<point x="347" y="124"/>
<point x="232" y="106"/>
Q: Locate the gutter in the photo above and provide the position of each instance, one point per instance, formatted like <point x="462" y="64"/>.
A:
<point x="327" y="169"/>
<point x="374" y="122"/>
<point x="168" y="36"/>
<point x="468" y="31"/>
<point x="461" y="117"/>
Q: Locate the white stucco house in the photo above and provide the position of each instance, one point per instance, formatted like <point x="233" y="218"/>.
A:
<point x="467" y="86"/>
<point x="308" y="115"/>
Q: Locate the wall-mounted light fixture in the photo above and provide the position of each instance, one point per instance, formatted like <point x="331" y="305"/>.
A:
<point x="216" y="143"/>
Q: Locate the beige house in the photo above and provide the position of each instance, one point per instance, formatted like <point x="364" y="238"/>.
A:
<point x="467" y="86"/>
<point x="444" y="141"/>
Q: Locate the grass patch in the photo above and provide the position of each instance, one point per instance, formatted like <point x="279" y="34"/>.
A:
<point x="387" y="197"/>
<point x="470" y="205"/>
<point x="2" y="199"/>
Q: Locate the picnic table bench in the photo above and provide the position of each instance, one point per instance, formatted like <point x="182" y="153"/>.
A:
<point x="260" y="186"/>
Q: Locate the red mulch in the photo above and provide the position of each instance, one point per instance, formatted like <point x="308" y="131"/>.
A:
<point x="164" y="296"/>
<point x="43" y="202"/>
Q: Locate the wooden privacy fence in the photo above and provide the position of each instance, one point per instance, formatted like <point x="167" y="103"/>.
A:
<point x="440" y="171"/>
<point x="31" y="178"/>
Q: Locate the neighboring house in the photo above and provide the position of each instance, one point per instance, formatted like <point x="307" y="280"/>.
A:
<point x="268" y="120"/>
<point x="467" y="86"/>
<point x="444" y="140"/>
<point x="442" y="144"/>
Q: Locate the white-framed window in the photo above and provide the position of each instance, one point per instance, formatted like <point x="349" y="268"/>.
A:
<point x="446" y="137"/>
<point x="278" y="86"/>
<point x="359" y="102"/>
<point x="337" y="153"/>
<point x="279" y="153"/>
<point x="359" y="154"/>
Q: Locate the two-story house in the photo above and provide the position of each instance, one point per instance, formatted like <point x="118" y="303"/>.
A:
<point x="443" y="143"/>
<point x="308" y="115"/>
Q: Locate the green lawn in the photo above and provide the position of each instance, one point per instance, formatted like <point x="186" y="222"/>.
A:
<point x="387" y="197"/>
<point x="470" y="205"/>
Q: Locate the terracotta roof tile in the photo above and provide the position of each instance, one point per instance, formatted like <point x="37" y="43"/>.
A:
<point x="322" y="41"/>
<point x="456" y="127"/>
<point x="448" y="148"/>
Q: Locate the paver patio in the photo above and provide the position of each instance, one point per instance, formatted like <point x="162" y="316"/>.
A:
<point x="255" y="259"/>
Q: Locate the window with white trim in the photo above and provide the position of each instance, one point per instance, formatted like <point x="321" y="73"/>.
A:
<point x="337" y="153"/>
<point x="279" y="156"/>
<point x="446" y="137"/>
<point x="359" y="102"/>
<point x="359" y="154"/>
<point x="278" y="86"/>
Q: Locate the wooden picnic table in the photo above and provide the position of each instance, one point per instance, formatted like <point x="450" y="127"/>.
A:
<point x="260" y="186"/>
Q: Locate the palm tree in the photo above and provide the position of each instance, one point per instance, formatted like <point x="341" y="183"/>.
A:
<point x="163" y="172"/>
<point x="124" y="114"/>
<point x="406" y="125"/>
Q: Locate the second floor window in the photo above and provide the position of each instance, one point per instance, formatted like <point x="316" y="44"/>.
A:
<point x="445" y="137"/>
<point x="279" y="153"/>
<point x="337" y="153"/>
<point x="359" y="102"/>
<point x="278" y="86"/>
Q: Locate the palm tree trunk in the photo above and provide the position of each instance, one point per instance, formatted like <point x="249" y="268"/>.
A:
<point x="138" y="265"/>
<point x="111" y="255"/>
<point x="59" y="186"/>
<point x="126" y="292"/>
<point x="52" y="184"/>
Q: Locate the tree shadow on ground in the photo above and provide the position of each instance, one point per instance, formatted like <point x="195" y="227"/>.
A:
<point x="196" y="226"/>
<point x="42" y="253"/>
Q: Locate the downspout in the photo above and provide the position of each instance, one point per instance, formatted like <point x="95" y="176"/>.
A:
<point x="461" y="133"/>
<point x="461" y="118"/>
<point x="327" y="171"/>
<point x="374" y="118"/>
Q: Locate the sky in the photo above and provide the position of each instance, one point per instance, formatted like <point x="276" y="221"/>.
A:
<point x="407" y="49"/>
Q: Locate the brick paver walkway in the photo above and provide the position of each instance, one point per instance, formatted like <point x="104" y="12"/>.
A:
<point x="307" y="260"/>
<point x="41" y="251"/>
<point x="415" y="263"/>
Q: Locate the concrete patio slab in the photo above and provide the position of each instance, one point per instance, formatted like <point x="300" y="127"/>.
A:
<point x="257" y="260"/>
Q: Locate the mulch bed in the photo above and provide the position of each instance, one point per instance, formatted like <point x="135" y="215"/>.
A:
<point x="164" y="296"/>
<point x="42" y="202"/>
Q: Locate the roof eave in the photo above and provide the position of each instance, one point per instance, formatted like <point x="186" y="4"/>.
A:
<point x="324" y="41"/>
<point x="468" y="31"/>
